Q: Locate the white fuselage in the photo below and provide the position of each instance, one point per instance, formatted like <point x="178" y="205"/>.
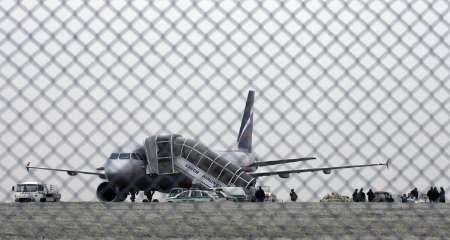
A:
<point x="122" y="171"/>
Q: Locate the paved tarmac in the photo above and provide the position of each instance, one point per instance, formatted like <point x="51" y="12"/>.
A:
<point x="223" y="220"/>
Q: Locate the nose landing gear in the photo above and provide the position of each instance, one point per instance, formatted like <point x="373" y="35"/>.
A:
<point x="133" y="196"/>
<point x="149" y="195"/>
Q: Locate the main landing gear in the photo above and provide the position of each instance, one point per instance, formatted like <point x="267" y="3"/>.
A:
<point x="149" y="195"/>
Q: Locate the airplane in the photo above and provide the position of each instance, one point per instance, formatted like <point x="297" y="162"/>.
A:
<point x="168" y="161"/>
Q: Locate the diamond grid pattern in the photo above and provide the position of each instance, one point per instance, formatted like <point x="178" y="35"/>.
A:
<point x="349" y="82"/>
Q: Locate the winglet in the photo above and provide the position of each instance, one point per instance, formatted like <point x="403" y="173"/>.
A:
<point x="388" y="162"/>
<point x="28" y="166"/>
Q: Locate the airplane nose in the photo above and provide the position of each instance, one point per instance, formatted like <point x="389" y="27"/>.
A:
<point x="119" y="171"/>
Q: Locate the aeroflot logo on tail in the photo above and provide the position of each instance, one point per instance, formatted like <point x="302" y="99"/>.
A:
<point x="245" y="132"/>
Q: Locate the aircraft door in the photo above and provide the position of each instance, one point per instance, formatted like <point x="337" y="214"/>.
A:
<point x="164" y="154"/>
<point x="160" y="155"/>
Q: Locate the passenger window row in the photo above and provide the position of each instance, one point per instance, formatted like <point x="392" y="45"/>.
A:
<point x="126" y="156"/>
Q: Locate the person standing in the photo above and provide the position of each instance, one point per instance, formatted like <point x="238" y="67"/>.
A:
<point x="404" y="198"/>
<point x="442" y="195"/>
<point x="415" y="193"/>
<point x="430" y="194"/>
<point x="362" y="195"/>
<point x="293" y="195"/>
<point x="355" y="196"/>
<point x="370" y="195"/>
<point x="260" y="195"/>
<point x="435" y="194"/>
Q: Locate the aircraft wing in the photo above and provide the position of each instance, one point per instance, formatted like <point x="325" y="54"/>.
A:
<point x="326" y="170"/>
<point x="70" y="172"/>
<point x="281" y="161"/>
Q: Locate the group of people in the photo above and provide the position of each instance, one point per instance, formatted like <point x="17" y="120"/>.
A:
<point x="436" y="196"/>
<point x="411" y="197"/>
<point x="361" y="196"/>
<point x="433" y="195"/>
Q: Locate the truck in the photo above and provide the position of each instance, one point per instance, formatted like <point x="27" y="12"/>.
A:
<point x="35" y="192"/>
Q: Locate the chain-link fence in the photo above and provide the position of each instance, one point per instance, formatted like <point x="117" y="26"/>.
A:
<point x="350" y="82"/>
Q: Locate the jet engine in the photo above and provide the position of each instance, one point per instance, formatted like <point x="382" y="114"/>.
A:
<point x="283" y="175"/>
<point x="327" y="171"/>
<point x="107" y="192"/>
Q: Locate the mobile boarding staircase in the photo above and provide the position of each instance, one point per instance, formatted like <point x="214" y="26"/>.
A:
<point x="172" y="154"/>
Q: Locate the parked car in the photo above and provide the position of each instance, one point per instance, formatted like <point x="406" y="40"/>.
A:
<point x="235" y="194"/>
<point x="335" y="197"/>
<point x="193" y="196"/>
<point x="175" y="191"/>
<point x="383" y="197"/>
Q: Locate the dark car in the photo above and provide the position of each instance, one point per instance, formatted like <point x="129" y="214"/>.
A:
<point x="383" y="197"/>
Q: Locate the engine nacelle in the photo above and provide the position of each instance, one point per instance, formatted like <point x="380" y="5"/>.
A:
<point x="283" y="175"/>
<point x="107" y="192"/>
<point x="327" y="171"/>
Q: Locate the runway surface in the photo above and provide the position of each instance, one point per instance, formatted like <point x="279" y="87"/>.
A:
<point x="90" y="220"/>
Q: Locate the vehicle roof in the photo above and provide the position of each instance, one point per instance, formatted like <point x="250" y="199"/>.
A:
<point x="30" y="182"/>
<point x="190" y="190"/>
<point x="232" y="190"/>
<point x="187" y="190"/>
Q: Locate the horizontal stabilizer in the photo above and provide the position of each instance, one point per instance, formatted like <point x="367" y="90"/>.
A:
<point x="281" y="161"/>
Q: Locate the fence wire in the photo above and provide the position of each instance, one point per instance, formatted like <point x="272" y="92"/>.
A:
<point x="350" y="82"/>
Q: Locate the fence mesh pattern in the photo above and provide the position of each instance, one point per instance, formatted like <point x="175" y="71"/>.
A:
<point x="350" y="82"/>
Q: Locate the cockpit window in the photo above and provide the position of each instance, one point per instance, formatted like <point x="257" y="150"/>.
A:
<point x="124" y="156"/>
<point x="136" y="156"/>
<point x="114" y="156"/>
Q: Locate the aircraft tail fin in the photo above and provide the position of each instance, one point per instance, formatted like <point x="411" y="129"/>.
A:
<point x="246" y="130"/>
